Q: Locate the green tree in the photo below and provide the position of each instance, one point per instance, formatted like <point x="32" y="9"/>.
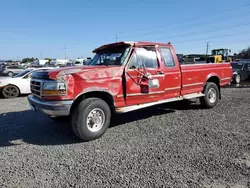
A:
<point x="27" y="60"/>
<point x="48" y="59"/>
<point x="244" y="54"/>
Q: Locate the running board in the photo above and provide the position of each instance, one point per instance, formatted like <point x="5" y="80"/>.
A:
<point x="193" y="95"/>
<point x="140" y="106"/>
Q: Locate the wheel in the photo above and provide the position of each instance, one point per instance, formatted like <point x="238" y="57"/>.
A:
<point x="10" y="74"/>
<point x="237" y="78"/>
<point x="10" y="91"/>
<point x="211" y="97"/>
<point x="90" y="119"/>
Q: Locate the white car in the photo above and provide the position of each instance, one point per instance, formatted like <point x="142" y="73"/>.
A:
<point x="19" y="84"/>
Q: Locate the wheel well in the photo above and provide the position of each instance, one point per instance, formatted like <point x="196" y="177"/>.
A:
<point x="108" y="98"/>
<point x="216" y="80"/>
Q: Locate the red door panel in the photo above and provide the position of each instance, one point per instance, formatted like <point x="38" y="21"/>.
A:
<point x="173" y="79"/>
<point x="137" y="90"/>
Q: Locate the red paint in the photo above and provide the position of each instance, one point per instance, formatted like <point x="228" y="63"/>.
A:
<point x="173" y="83"/>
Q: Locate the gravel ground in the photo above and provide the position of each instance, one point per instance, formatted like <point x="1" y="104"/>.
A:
<point x="165" y="146"/>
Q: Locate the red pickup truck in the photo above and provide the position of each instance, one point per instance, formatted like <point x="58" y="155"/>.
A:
<point x="123" y="77"/>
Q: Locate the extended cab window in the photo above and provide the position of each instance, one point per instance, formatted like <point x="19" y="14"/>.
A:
<point x="167" y="57"/>
<point x="145" y="57"/>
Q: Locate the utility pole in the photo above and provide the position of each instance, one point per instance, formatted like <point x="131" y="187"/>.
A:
<point x="116" y="37"/>
<point x="41" y="55"/>
<point x="207" y="50"/>
<point x="65" y="53"/>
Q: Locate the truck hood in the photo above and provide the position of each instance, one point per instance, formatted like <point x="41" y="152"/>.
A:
<point x="87" y="72"/>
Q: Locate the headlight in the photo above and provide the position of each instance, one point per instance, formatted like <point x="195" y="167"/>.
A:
<point x="50" y="86"/>
<point x="54" y="88"/>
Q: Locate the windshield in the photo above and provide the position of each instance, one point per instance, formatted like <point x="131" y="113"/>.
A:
<point x="218" y="52"/>
<point x="110" y="56"/>
<point x="22" y="73"/>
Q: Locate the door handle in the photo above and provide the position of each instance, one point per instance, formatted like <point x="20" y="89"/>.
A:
<point x="159" y="72"/>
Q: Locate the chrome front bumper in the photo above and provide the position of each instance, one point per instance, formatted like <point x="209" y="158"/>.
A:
<point x="53" y="108"/>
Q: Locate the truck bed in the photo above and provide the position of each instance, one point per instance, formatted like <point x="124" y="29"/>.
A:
<point x="195" y="75"/>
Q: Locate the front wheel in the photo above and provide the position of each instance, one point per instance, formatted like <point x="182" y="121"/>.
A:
<point x="90" y="119"/>
<point x="211" y="97"/>
<point x="10" y="91"/>
<point x="237" y="78"/>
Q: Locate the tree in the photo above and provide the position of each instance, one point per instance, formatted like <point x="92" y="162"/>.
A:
<point x="244" y="54"/>
<point x="27" y="60"/>
<point x="48" y="59"/>
<point x="9" y="61"/>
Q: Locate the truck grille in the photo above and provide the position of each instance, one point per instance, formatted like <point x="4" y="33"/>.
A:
<point x="35" y="87"/>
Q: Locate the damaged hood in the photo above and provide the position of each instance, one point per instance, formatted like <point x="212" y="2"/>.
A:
<point x="87" y="72"/>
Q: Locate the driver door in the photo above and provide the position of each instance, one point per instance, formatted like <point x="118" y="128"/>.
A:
<point x="144" y="61"/>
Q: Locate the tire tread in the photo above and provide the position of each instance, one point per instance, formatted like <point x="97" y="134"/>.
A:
<point x="204" y="101"/>
<point x="76" y="118"/>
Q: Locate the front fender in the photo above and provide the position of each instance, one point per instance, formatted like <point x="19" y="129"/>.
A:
<point x="94" y="89"/>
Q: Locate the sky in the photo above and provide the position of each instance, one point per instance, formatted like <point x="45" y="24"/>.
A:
<point x="73" y="28"/>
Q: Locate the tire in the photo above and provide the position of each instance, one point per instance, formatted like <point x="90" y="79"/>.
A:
<point x="10" y="74"/>
<point x="10" y="91"/>
<point x="211" y="97"/>
<point x="82" y="118"/>
<point x="237" y="78"/>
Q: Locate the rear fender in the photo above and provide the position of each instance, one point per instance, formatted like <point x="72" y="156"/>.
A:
<point x="213" y="77"/>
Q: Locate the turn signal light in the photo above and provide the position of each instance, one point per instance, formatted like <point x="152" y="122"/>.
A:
<point x="53" y="92"/>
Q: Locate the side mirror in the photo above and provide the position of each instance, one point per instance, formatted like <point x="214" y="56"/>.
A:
<point x="153" y="83"/>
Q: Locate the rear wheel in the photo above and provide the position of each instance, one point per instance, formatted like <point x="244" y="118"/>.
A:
<point x="211" y="97"/>
<point x="10" y="91"/>
<point x="10" y="74"/>
<point x="90" y="119"/>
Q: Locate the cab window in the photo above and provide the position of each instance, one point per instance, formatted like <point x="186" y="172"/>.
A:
<point x="167" y="57"/>
<point x="144" y="57"/>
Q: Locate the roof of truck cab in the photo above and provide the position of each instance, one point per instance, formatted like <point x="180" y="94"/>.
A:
<point x="131" y="43"/>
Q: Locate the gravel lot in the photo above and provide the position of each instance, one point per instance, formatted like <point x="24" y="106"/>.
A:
<point x="156" y="147"/>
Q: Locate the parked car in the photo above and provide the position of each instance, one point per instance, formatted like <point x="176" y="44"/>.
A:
<point x="241" y="71"/>
<point x="2" y="67"/>
<point x="70" y="64"/>
<point x="12" y="70"/>
<point x="123" y="77"/>
<point x="19" y="84"/>
<point x="82" y="62"/>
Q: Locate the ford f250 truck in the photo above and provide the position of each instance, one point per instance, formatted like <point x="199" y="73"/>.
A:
<point x="123" y="77"/>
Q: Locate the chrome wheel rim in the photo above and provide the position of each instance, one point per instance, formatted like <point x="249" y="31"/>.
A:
<point x="212" y="95"/>
<point x="95" y="120"/>
<point x="10" y="91"/>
